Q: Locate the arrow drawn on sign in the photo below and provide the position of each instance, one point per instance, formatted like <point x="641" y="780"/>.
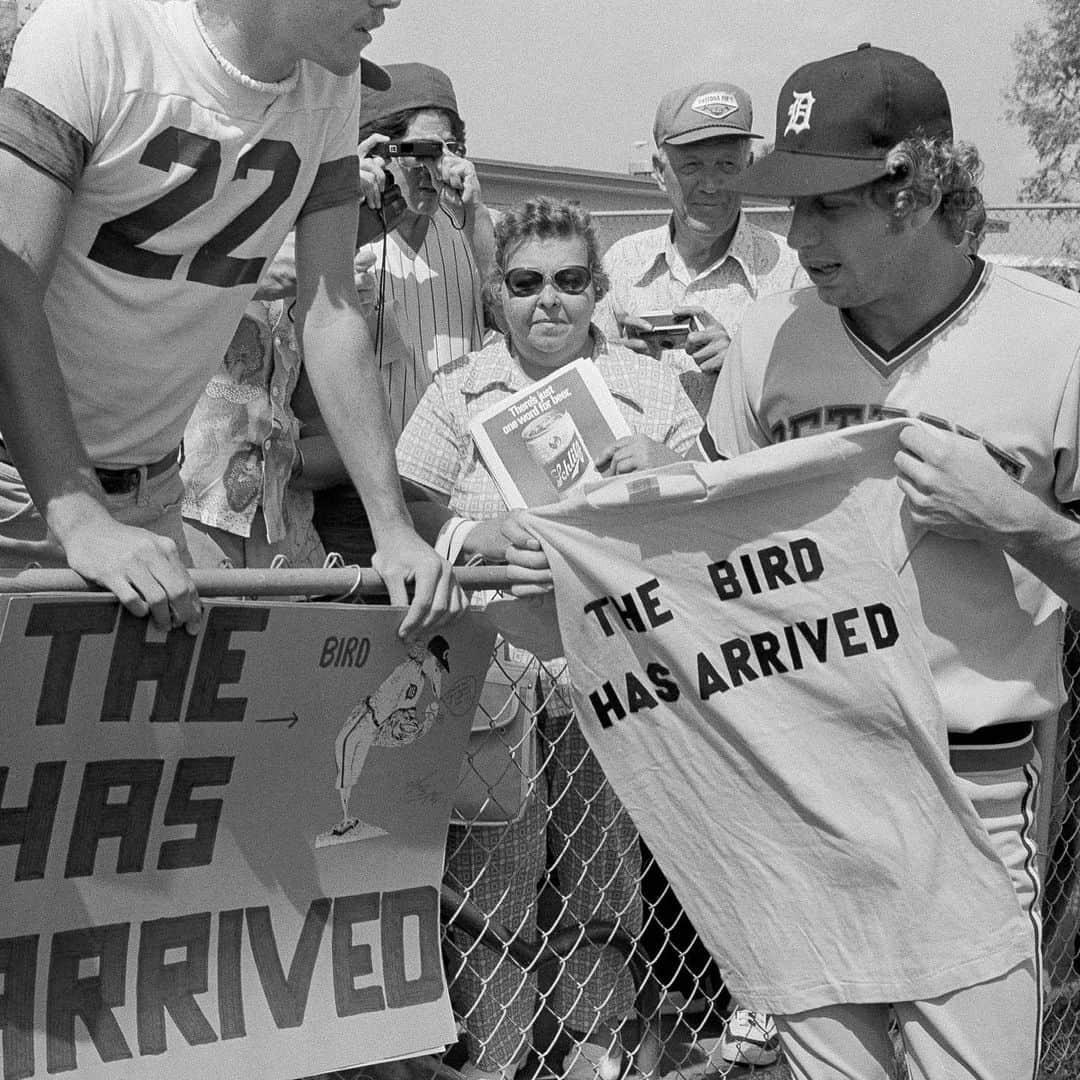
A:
<point x="291" y="719"/>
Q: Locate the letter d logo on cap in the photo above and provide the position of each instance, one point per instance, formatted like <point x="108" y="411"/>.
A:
<point x="799" y="113"/>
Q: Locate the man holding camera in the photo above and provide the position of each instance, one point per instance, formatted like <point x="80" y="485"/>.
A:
<point x="431" y="244"/>
<point x="438" y="243"/>
<point x="707" y="263"/>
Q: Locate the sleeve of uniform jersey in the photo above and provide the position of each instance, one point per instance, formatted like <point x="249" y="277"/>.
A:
<point x="338" y="178"/>
<point x="1066" y="436"/>
<point x="427" y="452"/>
<point x="50" y="106"/>
<point x="731" y="425"/>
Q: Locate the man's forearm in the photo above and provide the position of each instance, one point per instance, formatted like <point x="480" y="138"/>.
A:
<point x="34" y="411"/>
<point x="1048" y="544"/>
<point x="481" y="234"/>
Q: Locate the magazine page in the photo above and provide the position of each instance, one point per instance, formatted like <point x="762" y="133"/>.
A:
<point x="540" y="443"/>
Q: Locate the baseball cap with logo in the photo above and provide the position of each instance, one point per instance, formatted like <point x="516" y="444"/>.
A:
<point x="708" y="110"/>
<point x="838" y="118"/>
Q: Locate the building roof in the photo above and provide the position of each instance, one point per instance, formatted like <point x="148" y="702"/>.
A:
<point x="506" y="182"/>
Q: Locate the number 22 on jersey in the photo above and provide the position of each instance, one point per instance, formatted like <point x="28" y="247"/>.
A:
<point x="118" y="243"/>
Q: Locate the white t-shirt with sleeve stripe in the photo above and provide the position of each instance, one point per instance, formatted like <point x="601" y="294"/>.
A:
<point x="185" y="182"/>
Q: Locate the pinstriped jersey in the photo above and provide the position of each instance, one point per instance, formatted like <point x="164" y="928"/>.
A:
<point x="1000" y="364"/>
<point x="185" y="182"/>
<point x="433" y="296"/>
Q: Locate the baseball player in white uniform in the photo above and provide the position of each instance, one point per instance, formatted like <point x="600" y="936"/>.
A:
<point x="902" y="320"/>
<point x="153" y="156"/>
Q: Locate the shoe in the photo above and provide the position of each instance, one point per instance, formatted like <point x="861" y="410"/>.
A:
<point x="591" y="1061"/>
<point x="750" y="1038"/>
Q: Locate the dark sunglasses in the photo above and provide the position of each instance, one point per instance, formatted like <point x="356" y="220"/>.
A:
<point x="524" y="281"/>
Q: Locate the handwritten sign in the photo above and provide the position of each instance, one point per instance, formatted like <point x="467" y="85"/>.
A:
<point x="221" y="855"/>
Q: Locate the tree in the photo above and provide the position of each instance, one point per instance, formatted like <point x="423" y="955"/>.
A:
<point x="7" y="42"/>
<point x="1045" y="99"/>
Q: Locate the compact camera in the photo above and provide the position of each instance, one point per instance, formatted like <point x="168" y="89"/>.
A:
<point x="667" y="330"/>
<point x="416" y="148"/>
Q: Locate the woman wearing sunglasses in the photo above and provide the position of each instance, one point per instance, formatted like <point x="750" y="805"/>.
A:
<point x="547" y="281"/>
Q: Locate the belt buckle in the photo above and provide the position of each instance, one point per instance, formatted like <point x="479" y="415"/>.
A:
<point x="118" y="481"/>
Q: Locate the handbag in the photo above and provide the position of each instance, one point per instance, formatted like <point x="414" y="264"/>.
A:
<point x="499" y="769"/>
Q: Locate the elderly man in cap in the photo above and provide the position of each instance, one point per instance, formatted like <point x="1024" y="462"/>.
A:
<point x="903" y="320"/>
<point x="707" y="261"/>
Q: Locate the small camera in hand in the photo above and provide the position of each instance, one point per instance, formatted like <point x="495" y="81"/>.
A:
<point x="667" y="330"/>
<point x="414" y="148"/>
<point x="372" y="224"/>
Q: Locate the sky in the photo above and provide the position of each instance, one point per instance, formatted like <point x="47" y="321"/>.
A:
<point x="576" y="82"/>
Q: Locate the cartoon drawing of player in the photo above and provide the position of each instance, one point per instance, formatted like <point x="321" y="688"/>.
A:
<point x="388" y="718"/>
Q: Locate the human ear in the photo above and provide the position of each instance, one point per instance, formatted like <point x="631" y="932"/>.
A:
<point x="659" y="163"/>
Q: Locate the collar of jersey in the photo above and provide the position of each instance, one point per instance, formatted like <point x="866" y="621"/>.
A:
<point x="886" y="362"/>
<point x="284" y="86"/>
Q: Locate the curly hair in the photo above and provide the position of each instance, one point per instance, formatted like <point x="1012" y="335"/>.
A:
<point x="394" y="125"/>
<point x="918" y="167"/>
<point x="544" y="219"/>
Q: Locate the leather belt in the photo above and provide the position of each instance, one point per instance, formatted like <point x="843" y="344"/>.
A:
<point x="118" y="481"/>
<point x="1014" y="731"/>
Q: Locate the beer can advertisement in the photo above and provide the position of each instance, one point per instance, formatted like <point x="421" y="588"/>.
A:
<point x="541" y="444"/>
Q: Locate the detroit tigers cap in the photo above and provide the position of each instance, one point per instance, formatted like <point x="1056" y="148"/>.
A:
<point x="707" y="110"/>
<point x="373" y="76"/>
<point x="409" y="86"/>
<point x="838" y="118"/>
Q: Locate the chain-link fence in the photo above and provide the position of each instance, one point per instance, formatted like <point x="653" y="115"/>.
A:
<point x="1061" y="903"/>
<point x="540" y="844"/>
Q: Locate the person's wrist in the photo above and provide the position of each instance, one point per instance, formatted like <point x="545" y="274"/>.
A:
<point x="451" y="543"/>
<point x="397" y="534"/>
<point x="75" y="513"/>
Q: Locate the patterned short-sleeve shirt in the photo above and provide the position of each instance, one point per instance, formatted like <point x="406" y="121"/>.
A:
<point x="437" y="451"/>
